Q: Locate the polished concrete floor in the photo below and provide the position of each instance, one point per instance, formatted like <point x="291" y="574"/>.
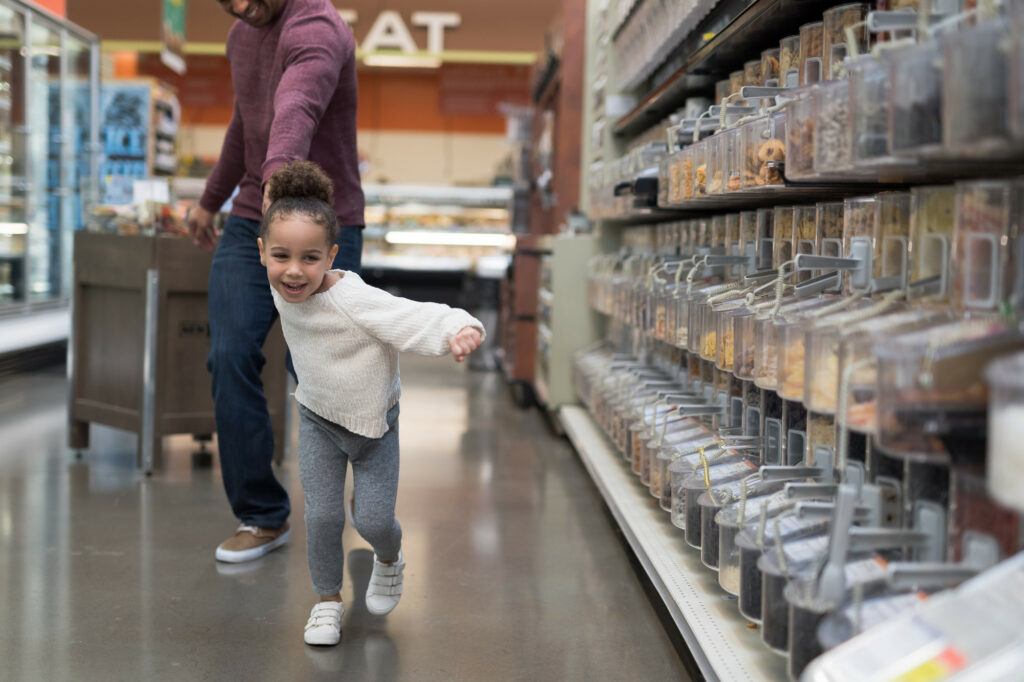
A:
<point x="514" y="570"/>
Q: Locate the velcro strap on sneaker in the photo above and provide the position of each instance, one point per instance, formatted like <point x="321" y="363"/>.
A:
<point x="388" y="569"/>
<point x="386" y="590"/>
<point x="386" y="580"/>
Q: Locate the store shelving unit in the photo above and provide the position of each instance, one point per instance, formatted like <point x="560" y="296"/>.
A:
<point x="635" y="223"/>
<point x="722" y="645"/>
<point x="563" y="326"/>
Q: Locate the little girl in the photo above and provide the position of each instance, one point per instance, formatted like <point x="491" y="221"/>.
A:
<point x="344" y="337"/>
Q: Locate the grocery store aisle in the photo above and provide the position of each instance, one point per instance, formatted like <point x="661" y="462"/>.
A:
<point x="514" y="571"/>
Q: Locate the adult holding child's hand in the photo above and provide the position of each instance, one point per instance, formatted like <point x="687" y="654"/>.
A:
<point x="293" y="69"/>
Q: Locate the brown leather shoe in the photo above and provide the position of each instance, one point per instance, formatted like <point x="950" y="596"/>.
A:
<point x="250" y="542"/>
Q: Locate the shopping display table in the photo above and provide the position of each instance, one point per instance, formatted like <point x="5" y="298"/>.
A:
<point x="140" y="336"/>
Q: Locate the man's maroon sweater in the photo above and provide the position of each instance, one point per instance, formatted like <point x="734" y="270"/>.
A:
<point x="295" y="99"/>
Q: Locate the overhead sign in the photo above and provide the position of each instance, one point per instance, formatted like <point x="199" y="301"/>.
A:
<point x="173" y="31"/>
<point x="390" y="32"/>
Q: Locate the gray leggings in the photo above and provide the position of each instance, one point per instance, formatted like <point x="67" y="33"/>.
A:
<point x="325" y="449"/>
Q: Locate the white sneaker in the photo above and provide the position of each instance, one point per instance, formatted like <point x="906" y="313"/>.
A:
<point x="324" y="625"/>
<point x="385" y="586"/>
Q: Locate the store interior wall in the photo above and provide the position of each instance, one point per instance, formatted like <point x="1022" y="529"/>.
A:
<point x="424" y="126"/>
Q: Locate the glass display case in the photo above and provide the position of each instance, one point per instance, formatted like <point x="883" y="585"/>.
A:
<point x="49" y="142"/>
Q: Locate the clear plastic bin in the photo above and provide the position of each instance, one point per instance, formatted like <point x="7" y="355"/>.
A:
<point x="932" y="222"/>
<point x="700" y="167"/>
<point x="800" y="135"/>
<point x="752" y="75"/>
<point x="764" y="151"/>
<point x="748" y="235"/>
<point x="715" y="165"/>
<point x="931" y="395"/>
<point x="832" y="138"/>
<point x="791" y="360"/>
<point x="833" y="347"/>
<point x="770" y="67"/>
<point x="835" y="47"/>
<point x="765" y="238"/>
<point x="805" y="235"/>
<point x="974" y="91"/>
<point x="821" y="438"/>
<point x="782" y="241"/>
<point x="859" y="216"/>
<point x="723" y="89"/>
<point x="766" y="340"/>
<point x="812" y="63"/>
<point x="732" y="159"/>
<point x="1005" y="463"/>
<point x="986" y="246"/>
<point x="789" y="62"/>
<point x="743" y="345"/>
<point x="684" y="167"/>
<point x="726" y="347"/>
<point x="869" y="117"/>
<point x="892" y="237"/>
<point x="916" y="101"/>
<point x="737" y="79"/>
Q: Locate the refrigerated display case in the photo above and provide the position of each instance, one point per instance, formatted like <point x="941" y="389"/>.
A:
<point x="49" y="152"/>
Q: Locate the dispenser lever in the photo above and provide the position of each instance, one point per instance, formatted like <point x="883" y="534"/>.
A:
<point x="806" y="261"/>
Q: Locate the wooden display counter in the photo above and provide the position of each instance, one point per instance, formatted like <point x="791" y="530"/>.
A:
<point x="139" y="342"/>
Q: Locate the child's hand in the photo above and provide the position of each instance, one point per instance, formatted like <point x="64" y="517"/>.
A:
<point x="465" y="342"/>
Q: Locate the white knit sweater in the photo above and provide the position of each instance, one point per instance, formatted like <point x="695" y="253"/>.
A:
<point x="345" y="342"/>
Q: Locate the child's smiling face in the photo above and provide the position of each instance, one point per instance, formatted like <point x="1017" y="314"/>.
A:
<point x="297" y="256"/>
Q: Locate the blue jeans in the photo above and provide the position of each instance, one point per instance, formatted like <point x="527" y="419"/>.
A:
<point x="241" y="314"/>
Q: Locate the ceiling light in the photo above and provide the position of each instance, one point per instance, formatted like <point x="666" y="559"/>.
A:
<point x="425" y="238"/>
<point x="13" y="228"/>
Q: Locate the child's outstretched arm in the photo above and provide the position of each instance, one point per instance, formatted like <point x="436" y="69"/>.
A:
<point x="465" y="342"/>
<point x="410" y="326"/>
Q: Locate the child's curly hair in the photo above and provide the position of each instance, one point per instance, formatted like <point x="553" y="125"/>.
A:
<point x="301" y="187"/>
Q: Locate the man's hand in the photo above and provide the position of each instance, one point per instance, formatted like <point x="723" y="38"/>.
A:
<point x="465" y="342"/>
<point x="201" y="227"/>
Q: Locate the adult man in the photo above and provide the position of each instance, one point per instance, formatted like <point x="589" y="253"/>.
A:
<point x="293" y="70"/>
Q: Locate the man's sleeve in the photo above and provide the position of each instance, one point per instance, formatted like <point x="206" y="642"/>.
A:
<point x="314" y="55"/>
<point x="230" y="167"/>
